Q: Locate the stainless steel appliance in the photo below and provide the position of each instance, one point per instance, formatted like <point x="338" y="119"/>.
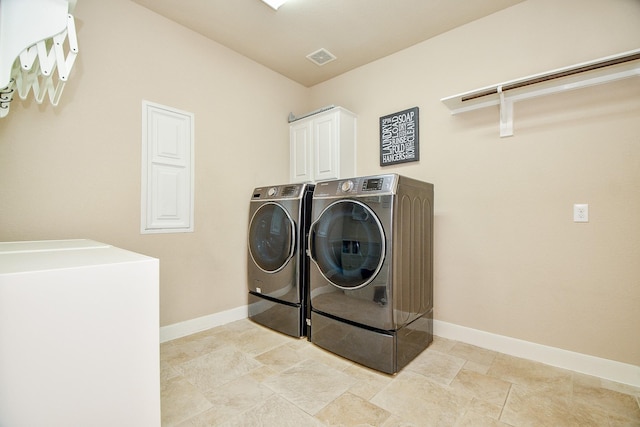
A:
<point x="371" y="276"/>
<point x="277" y="263"/>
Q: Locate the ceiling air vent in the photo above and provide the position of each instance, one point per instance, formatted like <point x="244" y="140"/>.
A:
<point x="321" y="57"/>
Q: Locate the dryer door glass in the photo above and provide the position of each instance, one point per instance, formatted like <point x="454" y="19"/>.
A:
<point x="271" y="237"/>
<point x="347" y="244"/>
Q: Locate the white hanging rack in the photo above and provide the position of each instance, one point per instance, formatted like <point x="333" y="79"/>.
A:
<point x="34" y="35"/>
<point x="604" y="70"/>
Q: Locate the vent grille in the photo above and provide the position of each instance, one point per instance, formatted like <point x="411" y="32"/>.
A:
<point x="321" y="57"/>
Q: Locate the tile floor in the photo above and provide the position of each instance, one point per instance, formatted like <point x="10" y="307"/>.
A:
<point x="243" y="374"/>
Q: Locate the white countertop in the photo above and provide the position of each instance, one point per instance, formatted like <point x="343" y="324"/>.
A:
<point x="30" y="256"/>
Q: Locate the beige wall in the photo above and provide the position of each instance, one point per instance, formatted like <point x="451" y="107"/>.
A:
<point x="74" y="171"/>
<point x="508" y="259"/>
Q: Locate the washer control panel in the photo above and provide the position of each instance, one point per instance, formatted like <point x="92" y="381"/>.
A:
<point x="278" y="192"/>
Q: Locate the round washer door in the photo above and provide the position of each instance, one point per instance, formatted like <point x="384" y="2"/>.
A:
<point x="271" y="237"/>
<point x="347" y="244"/>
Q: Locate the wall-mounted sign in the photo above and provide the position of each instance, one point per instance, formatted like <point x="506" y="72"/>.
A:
<point x="399" y="141"/>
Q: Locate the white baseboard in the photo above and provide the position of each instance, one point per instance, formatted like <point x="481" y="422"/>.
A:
<point x="188" y="327"/>
<point x="603" y="368"/>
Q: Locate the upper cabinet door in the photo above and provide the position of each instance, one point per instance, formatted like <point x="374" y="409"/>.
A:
<point x="300" y="152"/>
<point x="323" y="146"/>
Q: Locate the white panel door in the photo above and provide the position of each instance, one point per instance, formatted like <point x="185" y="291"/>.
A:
<point x="325" y="140"/>
<point x="301" y="168"/>
<point x="168" y="174"/>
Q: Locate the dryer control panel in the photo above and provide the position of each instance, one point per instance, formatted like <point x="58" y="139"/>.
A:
<point x="366" y="185"/>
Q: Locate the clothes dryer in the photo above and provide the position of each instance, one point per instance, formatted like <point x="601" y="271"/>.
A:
<point x="371" y="275"/>
<point x="279" y="218"/>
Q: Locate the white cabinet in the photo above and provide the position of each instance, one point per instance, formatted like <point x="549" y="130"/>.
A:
<point x="323" y="146"/>
<point x="79" y="338"/>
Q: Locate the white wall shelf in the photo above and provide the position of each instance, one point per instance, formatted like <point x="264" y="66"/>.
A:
<point x="603" y="70"/>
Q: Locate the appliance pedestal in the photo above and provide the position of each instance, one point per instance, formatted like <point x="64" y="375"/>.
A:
<point x="385" y="351"/>
<point x="277" y="315"/>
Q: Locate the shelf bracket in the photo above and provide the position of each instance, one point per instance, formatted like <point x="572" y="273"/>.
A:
<point x="506" y="114"/>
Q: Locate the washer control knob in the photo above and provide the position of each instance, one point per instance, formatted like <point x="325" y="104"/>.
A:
<point x="272" y="191"/>
<point x="347" y="186"/>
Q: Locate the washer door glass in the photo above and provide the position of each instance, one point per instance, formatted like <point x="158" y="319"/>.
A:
<point x="271" y="237"/>
<point x="347" y="244"/>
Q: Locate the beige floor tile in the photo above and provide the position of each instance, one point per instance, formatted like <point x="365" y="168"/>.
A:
<point x="481" y="387"/>
<point x="217" y="368"/>
<point x="321" y="355"/>
<point x="485" y="409"/>
<point x="591" y="381"/>
<point x="352" y="410"/>
<point x="165" y="347"/>
<point x="167" y="371"/>
<point x="181" y="401"/>
<point x="230" y="332"/>
<point x="230" y="400"/>
<point x="539" y="407"/>
<point x="369" y="382"/>
<point x="437" y="366"/>
<point x="440" y="344"/>
<point x="476" y="367"/>
<point x="616" y="420"/>
<point x="261" y="373"/>
<point x="240" y="326"/>
<point x="310" y="385"/>
<point x="395" y="421"/>
<point x="474" y="419"/>
<point x="531" y="374"/>
<point x="415" y="399"/>
<point x="280" y="358"/>
<point x="473" y="353"/>
<point x="614" y="402"/>
<point x="275" y="412"/>
<point x="190" y="347"/>
<point x="299" y="343"/>
<point x="622" y="388"/>
<point x="259" y="340"/>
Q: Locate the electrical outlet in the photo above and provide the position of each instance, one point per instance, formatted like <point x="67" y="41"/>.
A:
<point x="581" y="212"/>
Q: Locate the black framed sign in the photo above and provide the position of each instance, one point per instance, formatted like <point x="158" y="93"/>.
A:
<point x="399" y="142"/>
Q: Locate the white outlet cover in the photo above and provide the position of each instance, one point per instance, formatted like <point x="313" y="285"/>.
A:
<point x="580" y="212"/>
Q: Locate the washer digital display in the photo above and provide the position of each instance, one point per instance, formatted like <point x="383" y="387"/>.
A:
<point x="289" y="191"/>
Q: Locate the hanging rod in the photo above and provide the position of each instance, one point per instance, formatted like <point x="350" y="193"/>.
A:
<point x="556" y="75"/>
<point x="585" y="74"/>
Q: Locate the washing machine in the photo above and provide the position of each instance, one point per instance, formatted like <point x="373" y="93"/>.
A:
<point x="278" y="267"/>
<point x="371" y="270"/>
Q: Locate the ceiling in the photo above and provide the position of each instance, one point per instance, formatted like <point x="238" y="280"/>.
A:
<point x="356" y="32"/>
